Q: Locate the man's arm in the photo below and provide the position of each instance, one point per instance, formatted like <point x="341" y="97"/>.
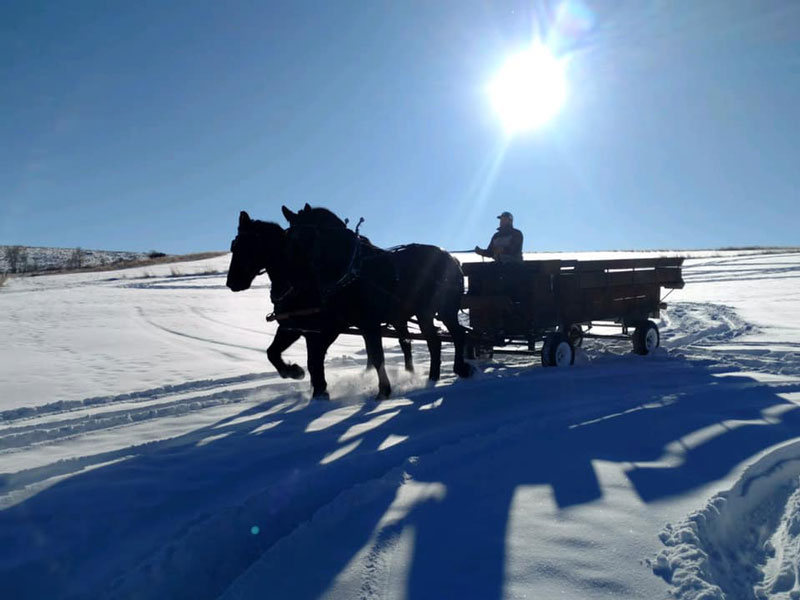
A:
<point x="516" y="243"/>
<point x="488" y="253"/>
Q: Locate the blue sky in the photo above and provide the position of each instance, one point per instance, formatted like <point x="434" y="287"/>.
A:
<point x="150" y="125"/>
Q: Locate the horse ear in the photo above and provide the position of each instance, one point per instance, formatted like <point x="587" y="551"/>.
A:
<point x="307" y="206"/>
<point x="244" y="219"/>
<point x="290" y="216"/>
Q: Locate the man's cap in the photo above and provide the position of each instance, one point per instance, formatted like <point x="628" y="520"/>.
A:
<point x="505" y="213"/>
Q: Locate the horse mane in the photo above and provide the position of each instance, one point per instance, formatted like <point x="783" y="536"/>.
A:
<point x="265" y="227"/>
<point x="321" y="216"/>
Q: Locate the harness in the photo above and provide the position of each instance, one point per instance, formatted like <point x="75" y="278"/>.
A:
<point x="350" y="274"/>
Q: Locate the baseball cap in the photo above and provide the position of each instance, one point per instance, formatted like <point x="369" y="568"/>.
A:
<point x="505" y="213"/>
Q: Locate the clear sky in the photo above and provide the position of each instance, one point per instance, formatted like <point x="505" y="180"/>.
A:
<point x="150" y="124"/>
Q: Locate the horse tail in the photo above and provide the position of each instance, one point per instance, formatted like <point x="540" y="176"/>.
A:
<point x="451" y="287"/>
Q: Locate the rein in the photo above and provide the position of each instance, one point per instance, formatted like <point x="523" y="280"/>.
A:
<point x="275" y="316"/>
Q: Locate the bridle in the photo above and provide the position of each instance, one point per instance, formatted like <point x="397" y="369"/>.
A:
<point x="235" y="244"/>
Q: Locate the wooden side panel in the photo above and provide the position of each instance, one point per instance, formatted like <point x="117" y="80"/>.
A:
<point x="663" y="276"/>
<point x="535" y="295"/>
<point x="628" y="263"/>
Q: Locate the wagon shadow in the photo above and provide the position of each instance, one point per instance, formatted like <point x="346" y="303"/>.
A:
<point x="717" y="422"/>
<point x="459" y="522"/>
<point x="679" y="424"/>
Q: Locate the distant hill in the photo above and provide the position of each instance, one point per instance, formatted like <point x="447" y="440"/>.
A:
<point x="33" y="259"/>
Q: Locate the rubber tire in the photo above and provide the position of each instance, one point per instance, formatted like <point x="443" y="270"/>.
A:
<point x="554" y="346"/>
<point x="576" y="336"/>
<point x="646" y="338"/>
<point x="545" y="354"/>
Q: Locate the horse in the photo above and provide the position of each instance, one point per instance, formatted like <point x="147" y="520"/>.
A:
<point x="262" y="247"/>
<point x="366" y="286"/>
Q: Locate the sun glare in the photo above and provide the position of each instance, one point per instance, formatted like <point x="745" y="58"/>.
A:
<point x="528" y="90"/>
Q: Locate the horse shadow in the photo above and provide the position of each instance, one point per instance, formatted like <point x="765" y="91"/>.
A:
<point x="253" y="496"/>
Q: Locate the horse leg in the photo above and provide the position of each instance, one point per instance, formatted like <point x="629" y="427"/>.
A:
<point x="317" y="345"/>
<point x="283" y="339"/>
<point x="369" y="365"/>
<point x="405" y="344"/>
<point x="372" y="338"/>
<point x="434" y="345"/>
<point x="457" y="332"/>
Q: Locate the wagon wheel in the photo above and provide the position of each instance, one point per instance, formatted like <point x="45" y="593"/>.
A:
<point x="645" y="338"/>
<point x="575" y="336"/>
<point x="557" y="351"/>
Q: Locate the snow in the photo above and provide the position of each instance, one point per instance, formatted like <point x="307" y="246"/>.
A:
<point x="149" y="450"/>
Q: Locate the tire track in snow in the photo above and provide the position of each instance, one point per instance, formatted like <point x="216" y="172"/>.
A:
<point x="18" y="437"/>
<point x="66" y="406"/>
<point x="198" y="338"/>
<point x="329" y="496"/>
<point x="200" y="313"/>
<point x="711" y="332"/>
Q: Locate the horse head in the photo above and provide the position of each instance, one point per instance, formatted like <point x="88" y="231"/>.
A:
<point x="321" y="245"/>
<point x="258" y="247"/>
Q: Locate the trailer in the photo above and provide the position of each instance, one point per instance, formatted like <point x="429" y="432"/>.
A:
<point x="553" y="305"/>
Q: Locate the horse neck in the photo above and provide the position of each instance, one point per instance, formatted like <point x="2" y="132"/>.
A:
<point x="279" y="273"/>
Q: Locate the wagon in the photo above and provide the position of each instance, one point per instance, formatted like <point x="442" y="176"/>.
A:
<point x="556" y="304"/>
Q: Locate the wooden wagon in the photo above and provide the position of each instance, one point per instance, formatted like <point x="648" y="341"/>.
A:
<point x="558" y="303"/>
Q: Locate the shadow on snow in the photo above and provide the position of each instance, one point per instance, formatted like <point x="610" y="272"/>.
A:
<point x="174" y="519"/>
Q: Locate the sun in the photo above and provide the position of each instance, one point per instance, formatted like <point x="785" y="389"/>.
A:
<point x="528" y="90"/>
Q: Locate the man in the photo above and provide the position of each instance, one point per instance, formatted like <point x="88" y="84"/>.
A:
<point x="506" y="243"/>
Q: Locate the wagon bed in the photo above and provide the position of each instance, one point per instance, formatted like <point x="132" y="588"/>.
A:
<point x="559" y="302"/>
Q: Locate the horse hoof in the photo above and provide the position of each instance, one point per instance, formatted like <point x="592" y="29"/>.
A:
<point x="322" y="396"/>
<point x="295" y="372"/>
<point x="382" y="396"/>
<point x="465" y="370"/>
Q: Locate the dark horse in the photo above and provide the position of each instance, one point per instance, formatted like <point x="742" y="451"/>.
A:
<point x="262" y="247"/>
<point x="357" y="284"/>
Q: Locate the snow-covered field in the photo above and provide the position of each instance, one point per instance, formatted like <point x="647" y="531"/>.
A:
<point x="148" y="450"/>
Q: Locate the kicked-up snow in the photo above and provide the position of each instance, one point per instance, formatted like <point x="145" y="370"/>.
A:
<point x="148" y="450"/>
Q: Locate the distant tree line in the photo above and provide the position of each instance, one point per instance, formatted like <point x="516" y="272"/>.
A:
<point x="75" y="260"/>
<point x="18" y="260"/>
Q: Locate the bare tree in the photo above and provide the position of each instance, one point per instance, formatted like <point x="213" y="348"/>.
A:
<point x="16" y="257"/>
<point x="76" y="259"/>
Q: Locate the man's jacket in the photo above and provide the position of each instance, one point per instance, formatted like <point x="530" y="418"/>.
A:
<point x="506" y="244"/>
